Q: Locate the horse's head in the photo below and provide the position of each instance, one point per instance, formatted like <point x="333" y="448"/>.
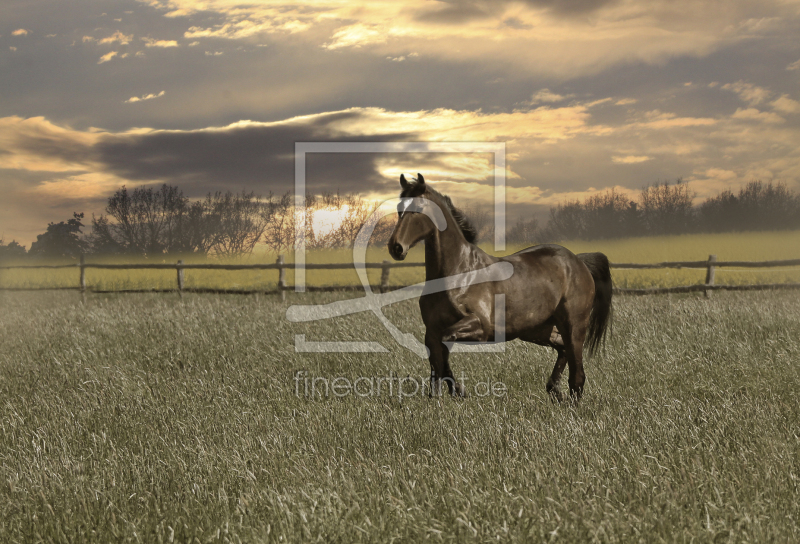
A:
<point x="413" y="224"/>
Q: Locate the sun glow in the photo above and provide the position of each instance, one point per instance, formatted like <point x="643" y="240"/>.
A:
<point x="325" y="221"/>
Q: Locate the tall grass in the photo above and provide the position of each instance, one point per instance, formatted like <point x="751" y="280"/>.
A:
<point x="138" y="418"/>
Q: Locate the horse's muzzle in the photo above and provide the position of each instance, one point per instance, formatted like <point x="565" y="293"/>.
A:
<point x="397" y="251"/>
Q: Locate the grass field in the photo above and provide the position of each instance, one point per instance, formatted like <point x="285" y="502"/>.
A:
<point x="760" y="246"/>
<point x="141" y="418"/>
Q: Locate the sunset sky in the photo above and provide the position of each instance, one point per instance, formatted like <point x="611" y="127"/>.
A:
<point x="213" y="94"/>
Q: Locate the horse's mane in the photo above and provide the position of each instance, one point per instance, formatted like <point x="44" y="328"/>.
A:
<point x="463" y="222"/>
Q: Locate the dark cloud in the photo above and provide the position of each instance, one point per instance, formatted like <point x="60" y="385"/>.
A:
<point x="257" y="157"/>
<point x="455" y="12"/>
<point x="517" y="24"/>
<point x="277" y="76"/>
<point x="460" y="11"/>
<point x="571" y="7"/>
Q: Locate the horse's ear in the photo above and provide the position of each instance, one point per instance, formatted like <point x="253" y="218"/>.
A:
<point x="403" y="182"/>
<point x="420" y="179"/>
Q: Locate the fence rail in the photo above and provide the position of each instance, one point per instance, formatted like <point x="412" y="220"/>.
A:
<point x="386" y="266"/>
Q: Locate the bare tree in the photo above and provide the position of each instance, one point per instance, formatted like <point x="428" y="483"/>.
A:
<point x="610" y="215"/>
<point x="145" y="221"/>
<point x="567" y="221"/>
<point x="239" y="221"/>
<point x="523" y="231"/>
<point x="667" y="209"/>
<point x="758" y="206"/>
<point x="279" y="234"/>
<point x="348" y="213"/>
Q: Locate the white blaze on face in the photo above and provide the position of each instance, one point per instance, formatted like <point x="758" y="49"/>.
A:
<point x="405" y="204"/>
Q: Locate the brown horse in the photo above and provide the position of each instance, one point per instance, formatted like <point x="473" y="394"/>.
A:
<point x="553" y="298"/>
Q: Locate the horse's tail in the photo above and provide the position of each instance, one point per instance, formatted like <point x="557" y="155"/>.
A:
<point x="600" y="319"/>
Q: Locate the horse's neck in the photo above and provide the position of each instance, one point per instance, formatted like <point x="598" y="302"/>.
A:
<point x="448" y="253"/>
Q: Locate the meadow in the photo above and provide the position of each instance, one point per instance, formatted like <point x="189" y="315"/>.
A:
<point x="149" y="418"/>
<point x="760" y="246"/>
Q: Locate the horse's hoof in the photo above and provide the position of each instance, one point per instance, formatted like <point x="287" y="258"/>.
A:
<point x="554" y="392"/>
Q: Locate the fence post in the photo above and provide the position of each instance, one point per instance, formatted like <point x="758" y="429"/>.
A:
<point x="83" y="278"/>
<point x="180" y="277"/>
<point x="710" y="273"/>
<point x="281" y="277"/>
<point x="385" y="277"/>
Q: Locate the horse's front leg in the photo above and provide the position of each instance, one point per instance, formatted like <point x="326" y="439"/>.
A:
<point x="440" y="367"/>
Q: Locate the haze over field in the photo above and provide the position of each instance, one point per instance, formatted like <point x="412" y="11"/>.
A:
<point x="212" y="95"/>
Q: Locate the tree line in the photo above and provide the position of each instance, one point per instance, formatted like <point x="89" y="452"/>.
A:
<point x="149" y="221"/>
<point x="665" y="208"/>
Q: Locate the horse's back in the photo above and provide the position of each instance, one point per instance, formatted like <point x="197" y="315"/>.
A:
<point x="553" y="254"/>
<point x="558" y="267"/>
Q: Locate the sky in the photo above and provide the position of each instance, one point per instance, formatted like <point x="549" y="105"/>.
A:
<point x="211" y="95"/>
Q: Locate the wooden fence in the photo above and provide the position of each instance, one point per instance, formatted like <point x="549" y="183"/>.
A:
<point x="281" y="266"/>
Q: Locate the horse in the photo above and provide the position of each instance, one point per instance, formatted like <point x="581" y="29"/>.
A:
<point x="553" y="298"/>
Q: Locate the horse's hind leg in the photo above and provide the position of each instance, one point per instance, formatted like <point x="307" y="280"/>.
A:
<point x="574" y="349"/>
<point x="555" y="378"/>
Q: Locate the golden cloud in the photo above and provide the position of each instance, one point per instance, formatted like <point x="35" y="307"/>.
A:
<point x="23" y="140"/>
<point x="630" y="159"/>
<point x="150" y="42"/>
<point x="715" y="153"/>
<point x="107" y="57"/>
<point x="527" y="35"/>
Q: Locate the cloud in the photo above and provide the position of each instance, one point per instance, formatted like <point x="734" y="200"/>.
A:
<point x="36" y="144"/>
<point x="563" y="38"/>
<point x="630" y="159"/>
<point x="150" y="42"/>
<point x="659" y="120"/>
<point x="12" y="48"/>
<point x="753" y="114"/>
<point x="79" y="187"/>
<point x="107" y="57"/>
<point x="20" y="32"/>
<point x="785" y="104"/>
<point x="752" y="94"/>
<point x="545" y="95"/>
<point x="356" y="35"/>
<point x="144" y="97"/>
<point x="116" y="37"/>
<point x="238" y="28"/>
<point x="516" y="24"/>
<point x="572" y="7"/>
<point x="794" y="66"/>
<point x="553" y="150"/>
